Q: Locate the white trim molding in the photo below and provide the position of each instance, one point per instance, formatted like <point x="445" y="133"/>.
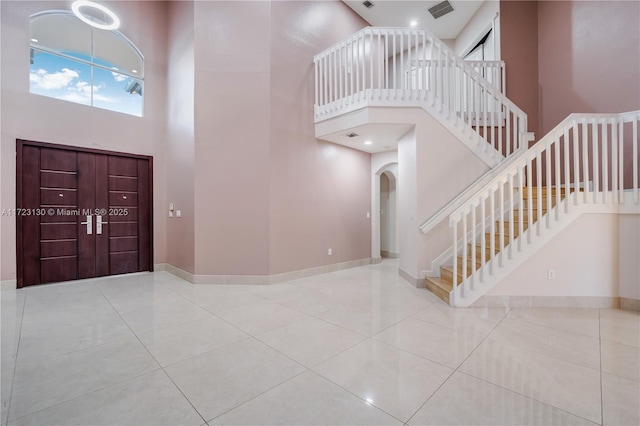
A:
<point x="8" y="285"/>
<point x="264" y="279"/>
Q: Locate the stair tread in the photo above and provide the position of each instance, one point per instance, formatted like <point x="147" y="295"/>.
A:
<point x="443" y="284"/>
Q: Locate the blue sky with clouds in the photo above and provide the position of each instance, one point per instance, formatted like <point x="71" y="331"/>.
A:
<point x="61" y="78"/>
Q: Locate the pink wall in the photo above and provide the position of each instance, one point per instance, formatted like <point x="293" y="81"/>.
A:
<point x="319" y="192"/>
<point x="269" y="197"/>
<point x="180" y="141"/>
<point x="570" y="56"/>
<point x="588" y="58"/>
<point x="584" y="256"/>
<point x="45" y="119"/>
<point x="519" y="50"/>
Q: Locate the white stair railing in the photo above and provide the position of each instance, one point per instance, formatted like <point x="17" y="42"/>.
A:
<point x="412" y="67"/>
<point x="586" y="159"/>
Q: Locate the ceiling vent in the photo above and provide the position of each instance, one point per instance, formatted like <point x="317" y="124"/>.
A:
<point x="368" y="4"/>
<point x="441" y="9"/>
<point x="352" y="135"/>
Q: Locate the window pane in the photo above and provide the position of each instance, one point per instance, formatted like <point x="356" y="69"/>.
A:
<point x="117" y="92"/>
<point x="109" y="49"/>
<point x="61" y="78"/>
<point x="62" y="33"/>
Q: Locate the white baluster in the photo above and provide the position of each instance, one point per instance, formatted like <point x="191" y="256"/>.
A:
<point x="585" y="157"/>
<point x="547" y="167"/>
<point x="556" y="176"/>
<point x="538" y="196"/>
<point x="521" y="206"/>
<point x="474" y="254"/>
<point x="596" y="171"/>
<point x="636" y="196"/>
<point x="511" y="214"/>
<point x="483" y="239"/>
<point x="605" y="164"/>
<point x="576" y="161"/>
<point x="567" y="170"/>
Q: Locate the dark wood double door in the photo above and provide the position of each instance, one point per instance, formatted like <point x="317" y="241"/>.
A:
<point x="81" y="213"/>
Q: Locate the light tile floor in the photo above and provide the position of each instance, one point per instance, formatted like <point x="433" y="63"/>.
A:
<point x="353" y="347"/>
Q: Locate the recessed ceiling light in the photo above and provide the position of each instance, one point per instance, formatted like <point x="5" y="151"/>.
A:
<point x="413" y="23"/>
<point x="368" y="142"/>
<point x="90" y="20"/>
<point x="35" y="40"/>
<point x="135" y="71"/>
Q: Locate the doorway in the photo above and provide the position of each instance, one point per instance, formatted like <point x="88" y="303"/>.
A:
<point x="388" y="219"/>
<point x="81" y="213"/>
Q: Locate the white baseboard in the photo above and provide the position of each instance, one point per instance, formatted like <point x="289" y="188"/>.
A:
<point x="416" y="282"/>
<point x="187" y="276"/>
<point x="8" y="285"/>
<point x="389" y="254"/>
<point x="630" y="304"/>
<point x="546" y="302"/>
<point x="376" y="260"/>
<point x="263" y="279"/>
<point x="159" y="267"/>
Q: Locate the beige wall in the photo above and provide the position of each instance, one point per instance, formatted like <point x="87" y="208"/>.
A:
<point x="180" y="137"/>
<point x="229" y="121"/>
<point x="270" y="198"/>
<point x="570" y="56"/>
<point x="519" y="51"/>
<point x="39" y="118"/>
<point x="588" y="58"/>
<point x="589" y="258"/>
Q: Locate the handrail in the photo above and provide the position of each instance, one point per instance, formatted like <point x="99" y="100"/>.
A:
<point x="409" y="67"/>
<point x="582" y="160"/>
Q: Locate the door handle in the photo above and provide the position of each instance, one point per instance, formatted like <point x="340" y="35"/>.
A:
<point x="89" y="224"/>
<point x="99" y="224"/>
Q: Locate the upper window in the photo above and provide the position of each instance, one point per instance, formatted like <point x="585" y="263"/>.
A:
<point x="73" y="61"/>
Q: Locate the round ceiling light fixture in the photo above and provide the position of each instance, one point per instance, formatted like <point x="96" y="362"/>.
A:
<point x="78" y="5"/>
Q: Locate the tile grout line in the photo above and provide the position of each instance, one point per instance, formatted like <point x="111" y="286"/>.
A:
<point x="153" y="357"/>
<point x="556" y="328"/>
<point x="256" y="396"/>
<point x="456" y="369"/>
<point x="513" y="391"/>
<point x="357" y="396"/>
<point x="15" y="365"/>
<point x="600" y="353"/>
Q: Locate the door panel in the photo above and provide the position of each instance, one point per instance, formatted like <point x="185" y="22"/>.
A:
<point x="102" y="203"/>
<point x="55" y="269"/>
<point x="71" y="185"/>
<point x="118" y="244"/>
<point x="29" y="263"/>
<point x="120" y="166"/>
<point x="58" y="248"/>
<point x="123" y="199"/>
<point x="124" y="263"/>
<point x="86" y="204"/>
<point x="123" y="183"/>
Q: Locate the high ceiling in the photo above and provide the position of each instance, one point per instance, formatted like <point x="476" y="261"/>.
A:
<point x="399" y="13"/>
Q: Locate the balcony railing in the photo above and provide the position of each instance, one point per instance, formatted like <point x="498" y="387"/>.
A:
<point x="412" y="67"/>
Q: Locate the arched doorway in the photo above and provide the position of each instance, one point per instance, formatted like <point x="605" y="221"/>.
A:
<point x="384" y="231"/>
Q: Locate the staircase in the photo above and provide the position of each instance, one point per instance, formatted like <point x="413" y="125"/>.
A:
<point x="587" y="164"/>
<point x="478" y="254"/>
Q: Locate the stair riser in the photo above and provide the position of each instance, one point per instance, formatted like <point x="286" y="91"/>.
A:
<point x="545" y="192"/>
<point x="487" y="252"/>
<point x="442" y="294"/>
<point x="447" y="275"/>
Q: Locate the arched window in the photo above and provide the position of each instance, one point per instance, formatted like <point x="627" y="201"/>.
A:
<point x="73" y="61"/>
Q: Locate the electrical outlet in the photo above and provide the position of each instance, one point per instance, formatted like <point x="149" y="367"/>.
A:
<point x="329" y="252"/>
<point x="552" y="274"/>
